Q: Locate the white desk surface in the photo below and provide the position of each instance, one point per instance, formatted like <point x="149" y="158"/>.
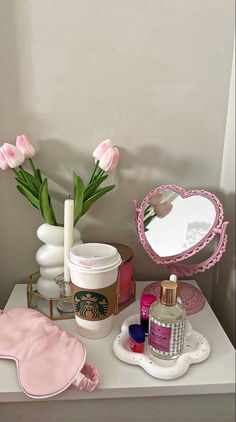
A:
<point x="118" y="379"/>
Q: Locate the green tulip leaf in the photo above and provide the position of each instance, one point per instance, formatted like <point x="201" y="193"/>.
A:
<point x="87" y="204"/>
<point x="31" y="180"/>
<point x="45" y="204"/>
<point x="21" y="175"/>
<point x="39" y="176"/>
<point x="78" y="197"/>
<point x="91" y="188"/>
<point x="149" y="219"/>
<point x="28" y="187"/>
<point x="31" y="198"/>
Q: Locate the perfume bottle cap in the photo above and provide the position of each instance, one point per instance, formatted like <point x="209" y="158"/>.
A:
<point x="137" y="333"/>
<point x="169" y="291"/>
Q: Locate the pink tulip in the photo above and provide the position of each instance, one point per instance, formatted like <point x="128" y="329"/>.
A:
<point x="156" y="200"/>
<point x="3" y="160"/>
<point x="109" y="159"/>
<point x="162" y="210"/>
<point x="13" y="155"/>
<point x="102" y="148"/>
<point x="25" y="146"/>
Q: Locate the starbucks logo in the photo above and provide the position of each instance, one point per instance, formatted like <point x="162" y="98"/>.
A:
<point x="90" y="305"/>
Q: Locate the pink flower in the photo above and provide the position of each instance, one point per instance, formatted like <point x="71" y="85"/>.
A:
<point x="102" y="148"/>
<point x="13" y="155"/>
<point x="25" y="146"/>
<point x="3" y="160"/>
<point x="162" y="209"/>
<point x="110" y="159"/>
<point x="156" y="200"/>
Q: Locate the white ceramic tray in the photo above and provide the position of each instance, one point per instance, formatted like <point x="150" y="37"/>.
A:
<point x="196" y="349"/>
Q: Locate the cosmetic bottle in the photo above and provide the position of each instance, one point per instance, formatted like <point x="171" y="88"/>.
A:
<point x="145" y="302"/>
<point x="167" y="323"/>
<point x="136" y="338"/>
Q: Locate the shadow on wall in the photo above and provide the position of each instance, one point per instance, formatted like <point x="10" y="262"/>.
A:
<point x="136" y="175"/>
<point x="111" y="218"/>
<point x="223" y="293"/>
<point x="10" y="107"/>
<point x="12" y="217"/>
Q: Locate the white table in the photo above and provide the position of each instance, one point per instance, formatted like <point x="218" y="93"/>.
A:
<point x="209" y="385"/>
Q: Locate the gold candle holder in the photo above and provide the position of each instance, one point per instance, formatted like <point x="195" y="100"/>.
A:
<point x="131" y="289"/>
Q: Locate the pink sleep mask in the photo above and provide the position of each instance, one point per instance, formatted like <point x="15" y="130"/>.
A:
<point x="48" y="359"/>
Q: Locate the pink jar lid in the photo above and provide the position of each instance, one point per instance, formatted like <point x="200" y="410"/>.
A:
<point x="192" y="298"/>
<point x="147" y="299"/>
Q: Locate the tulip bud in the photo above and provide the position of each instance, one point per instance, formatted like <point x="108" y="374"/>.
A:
<point x="155" y="200"/>
<point x="102" y="148"/>
<point x="3" y="160"/>
<point x="109" y="159"/>
<point x="25" y="146"/>
<point x="13" y="155"/>
<point x="163" y="209"/>
<point x="160" y="206"/>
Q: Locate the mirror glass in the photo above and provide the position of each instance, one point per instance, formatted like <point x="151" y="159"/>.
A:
<point x="173" y="224"/>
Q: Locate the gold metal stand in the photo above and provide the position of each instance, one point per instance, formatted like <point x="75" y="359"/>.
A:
<point x="48" y="305"/>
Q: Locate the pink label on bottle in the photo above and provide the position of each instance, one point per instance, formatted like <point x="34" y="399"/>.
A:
<point x="160" y="337"/>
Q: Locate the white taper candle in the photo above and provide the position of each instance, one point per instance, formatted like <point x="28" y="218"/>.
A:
<point x="68" y="233"/>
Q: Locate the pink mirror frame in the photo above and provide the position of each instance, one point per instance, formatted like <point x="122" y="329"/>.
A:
<point x="172" y="263"/>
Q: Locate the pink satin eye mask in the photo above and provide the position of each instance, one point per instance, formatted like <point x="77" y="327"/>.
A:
<point x="48" y="359"/>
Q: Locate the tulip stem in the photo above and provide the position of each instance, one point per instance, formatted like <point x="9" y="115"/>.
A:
<point x="99" y="174"/>
<point x="151" y="213"/>
<point x="23" y="174"/>
<point x="33" y="167"/>
<point x="148" y="220"/>
<point x="16" y="172"/>
<point x="147" y="210"/>
<point x="94" y="171"/>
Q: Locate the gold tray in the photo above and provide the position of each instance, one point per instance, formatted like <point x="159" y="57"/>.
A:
<point x="48" y="305"/>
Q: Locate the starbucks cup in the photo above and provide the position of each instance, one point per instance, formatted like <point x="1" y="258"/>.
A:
<point x="93" y="272"/>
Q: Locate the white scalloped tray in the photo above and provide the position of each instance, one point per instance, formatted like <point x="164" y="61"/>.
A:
<point x="196" y="349"/>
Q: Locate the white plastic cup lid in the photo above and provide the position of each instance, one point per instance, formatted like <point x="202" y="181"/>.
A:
<point x="94" y="257"/>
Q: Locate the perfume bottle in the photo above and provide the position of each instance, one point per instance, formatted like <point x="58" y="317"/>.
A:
<point x="167" y="323"/>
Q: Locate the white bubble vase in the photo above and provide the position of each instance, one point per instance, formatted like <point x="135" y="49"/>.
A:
<point x="50" y="257"/>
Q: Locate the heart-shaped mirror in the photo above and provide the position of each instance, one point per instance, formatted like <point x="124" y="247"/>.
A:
<point x="174" y="224"/>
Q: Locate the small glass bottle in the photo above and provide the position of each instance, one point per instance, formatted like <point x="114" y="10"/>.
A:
<point x="166" y="323"/>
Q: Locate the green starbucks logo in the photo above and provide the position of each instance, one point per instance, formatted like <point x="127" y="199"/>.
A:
<point x="90" y="305"/>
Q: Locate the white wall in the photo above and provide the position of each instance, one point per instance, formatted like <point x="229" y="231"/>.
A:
<point x="223" y="294"/>
<point x="151" y="74"/>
